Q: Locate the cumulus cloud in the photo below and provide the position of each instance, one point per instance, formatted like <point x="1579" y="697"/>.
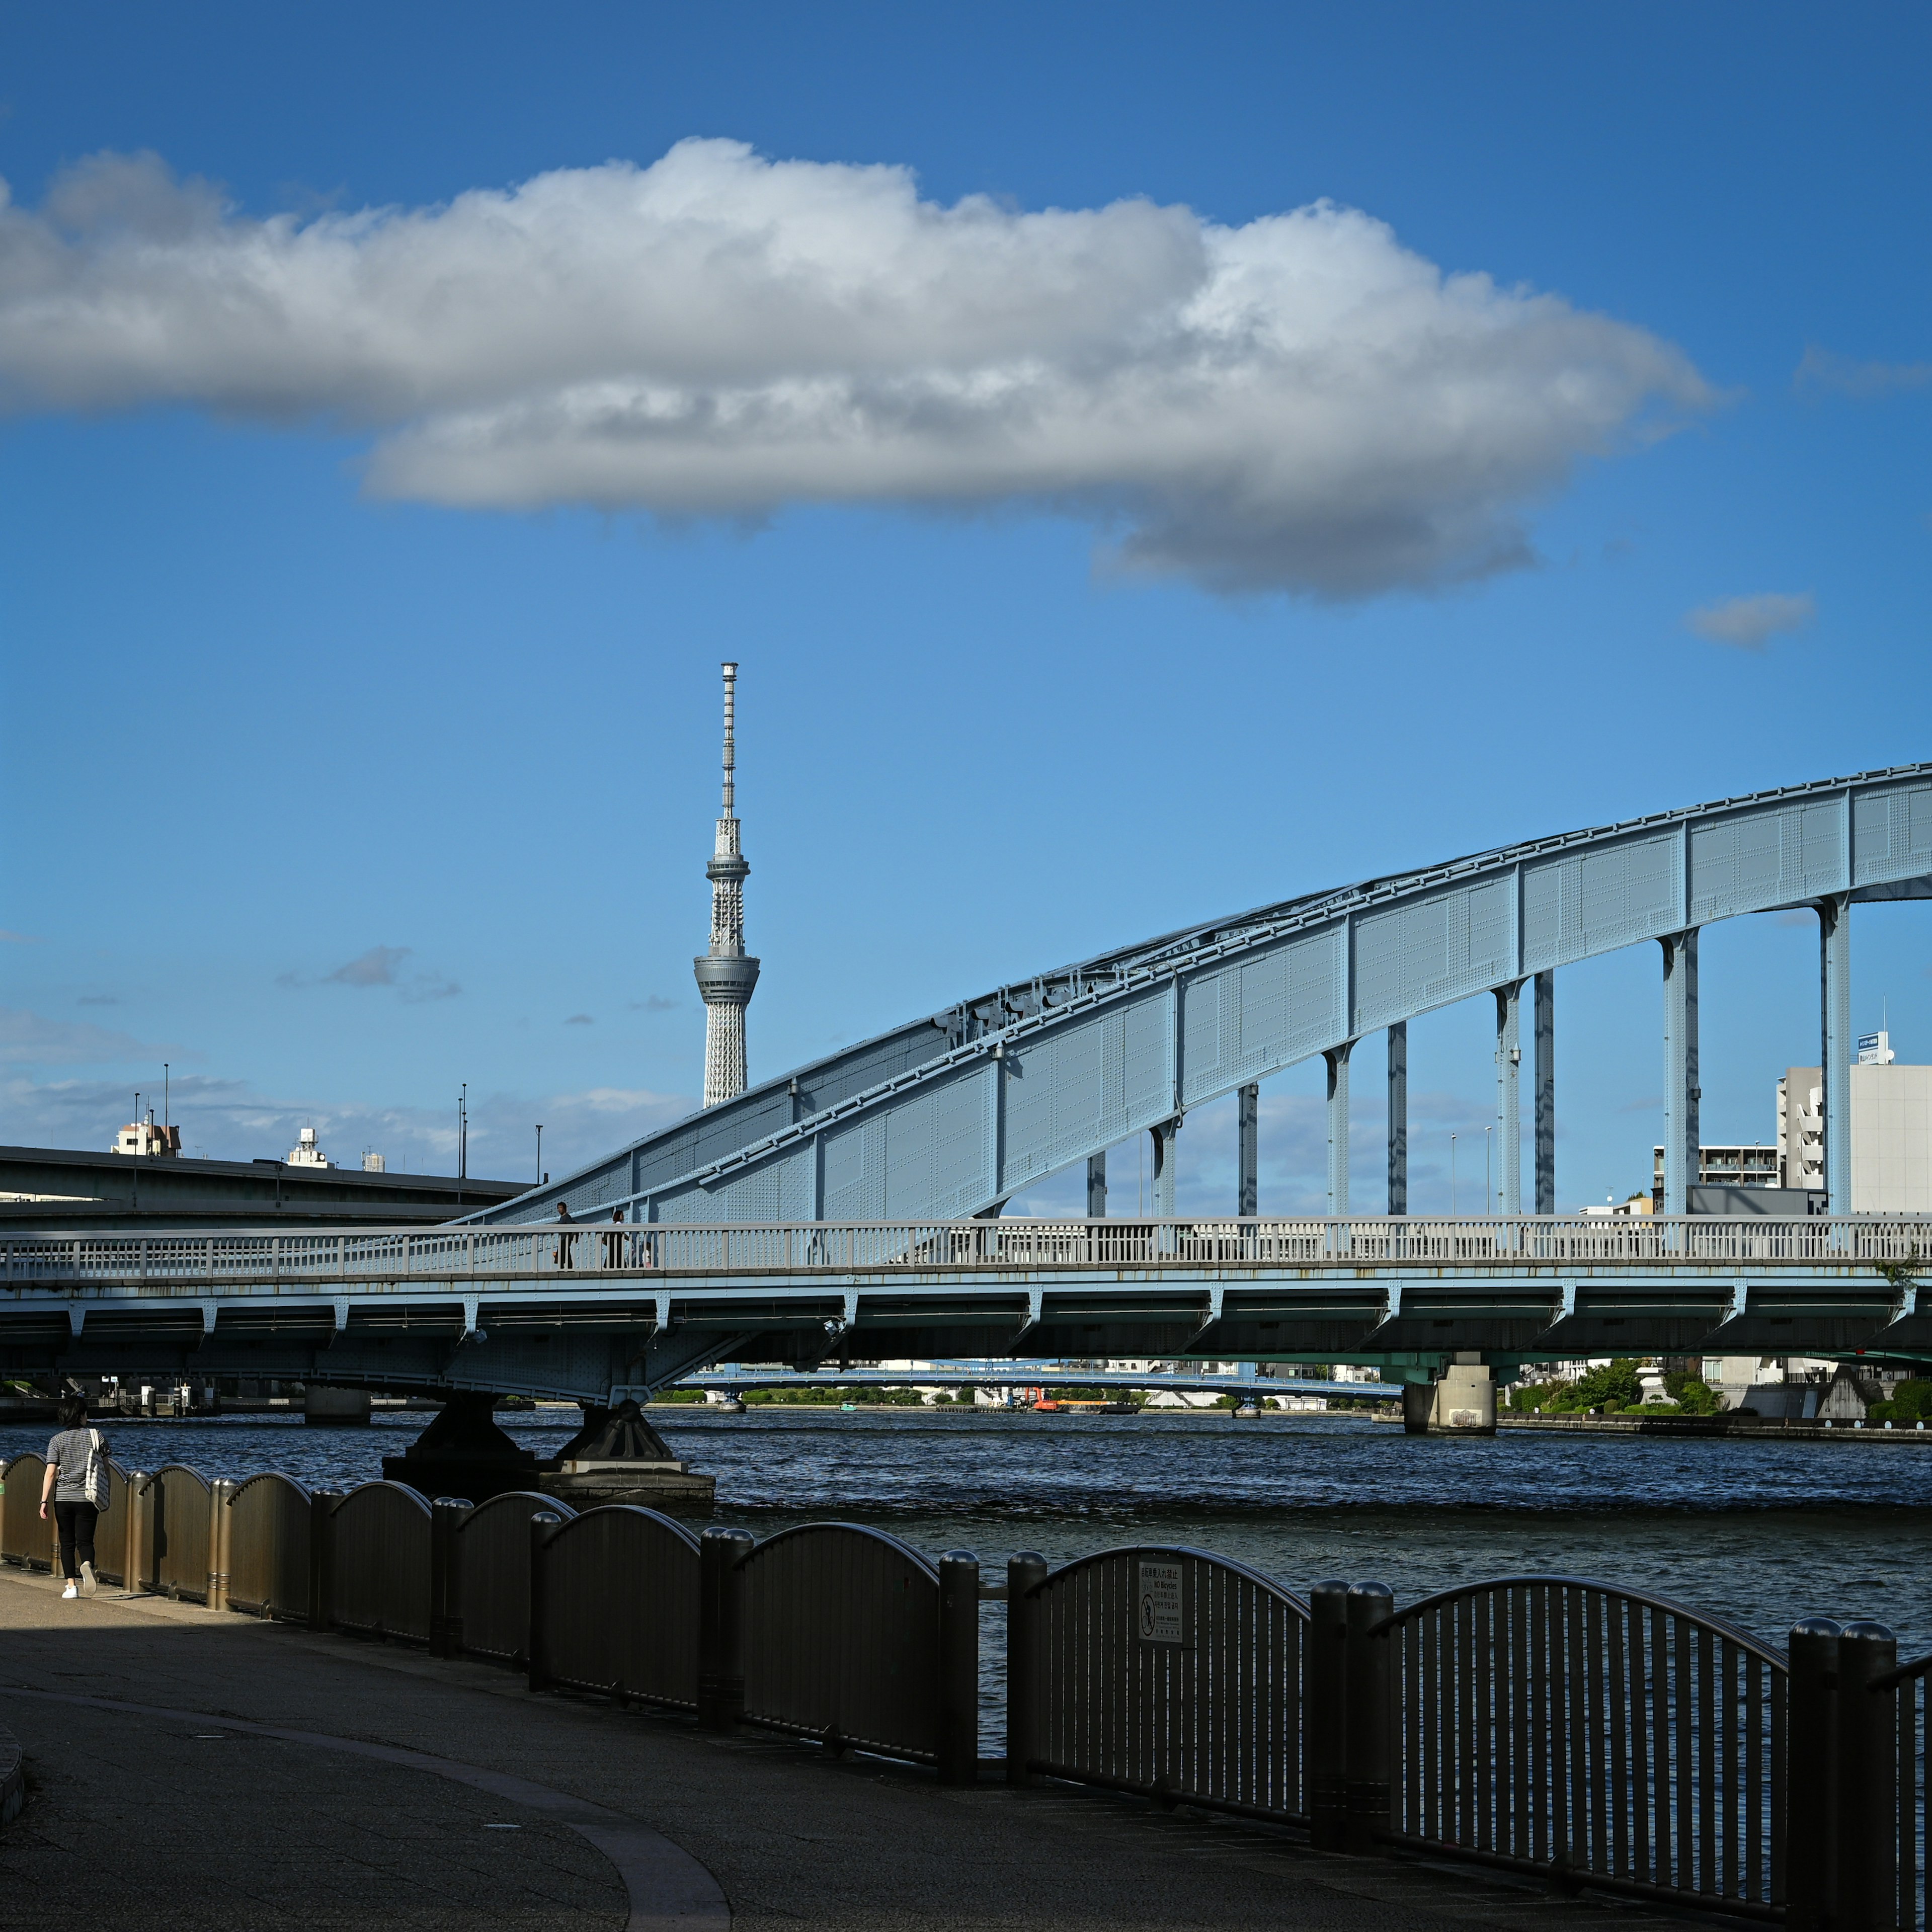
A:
<point x="1750" y="622"/>
<point x="381" y="966"/>
<point x="1821" y="369"/>
<point x="1299" y="403"/>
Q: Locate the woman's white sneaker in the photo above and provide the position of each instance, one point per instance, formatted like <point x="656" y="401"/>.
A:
<point x="69" y="1592"/>
<point x="89" y="1582"/>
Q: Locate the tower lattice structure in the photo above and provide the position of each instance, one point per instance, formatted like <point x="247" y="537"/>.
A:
<point x="726" y="976"/>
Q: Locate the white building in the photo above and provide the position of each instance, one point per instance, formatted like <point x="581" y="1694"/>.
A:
<point x="1892" y="1132"/>
<point x="145" y="1140"/>
<point x="305" y="1153"/>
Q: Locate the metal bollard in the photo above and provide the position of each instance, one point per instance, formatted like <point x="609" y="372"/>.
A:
<point x="958" y="1751"/>
<point x="1811" y="1778"/>
<point x="543" y="1525"/>
<point x="220" y="1540"/>
<point x="447" y="1516"/>
<point x="322" y="1507"/>
<point x="1324" y="1713"/>
<point x="134" y="1559"/>
<point x="721" y="1627"/>
<point x="1868" y="1862"/>
<point x="1369" y="1681"/>
<point x="1025" y="1573"/>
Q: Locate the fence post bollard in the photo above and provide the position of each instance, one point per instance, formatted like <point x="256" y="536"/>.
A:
<point x="1325" y="1714"/>
<point x="446" y="1516"/>
<point x="721" y="1627"/>
<point x="321" y="1506"/>
<point x="543" y="1525"/>
<point x="1025" y="1573"/>
<point x="134" y="1559"/>
<point x="1868" y="1862"/>
<point x="157" y="1530"/>
<point x="1370" y="1690"/>
<point x="958" y="1753"/>
<point x="1811" y="1776"/>
<point x="220" y="1540"/>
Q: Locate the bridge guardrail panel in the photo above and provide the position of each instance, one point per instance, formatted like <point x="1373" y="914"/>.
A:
<point x="620" y="1608"/>
<point x="178" y="1502"/>
<point x="25" y="1539"/>
<point x="1557" y="1724"/>
<point x="380" y="1583"/>
<point x="268" y="1547"/>
<point x="489" y="1592"/>
<point x="1166" y="1671"/>
<point x="840" y="1639"/>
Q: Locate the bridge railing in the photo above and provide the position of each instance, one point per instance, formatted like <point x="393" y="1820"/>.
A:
<point x="187" y="1263"/>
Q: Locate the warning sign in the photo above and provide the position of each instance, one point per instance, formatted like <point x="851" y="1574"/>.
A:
<point x="1159" y="1596"/>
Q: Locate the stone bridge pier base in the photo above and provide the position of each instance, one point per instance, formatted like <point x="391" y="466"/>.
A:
<point x="463" y="1453"/>
<point x="1461" y="1401"/>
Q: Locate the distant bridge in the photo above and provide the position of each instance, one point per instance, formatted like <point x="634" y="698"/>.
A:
<point x="956" y="1113"/>
<point x="739" y="1378"/>
<point x="582" y="1311"/>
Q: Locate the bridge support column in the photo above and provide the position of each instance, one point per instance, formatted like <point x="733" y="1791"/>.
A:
<point x="1337" y="1057"/>
<point x="1546" y="1093"/>
<point x="1834" y="1046"/>
<point x="1097" y="1187"/>
<point x="1163" y="1137"/>
<point x="1248" y="1158"/>
<point x="1398" y="1117"/>
<point x="1680" y="1068"/>
<point x="463" y="1453"/>
<point x="1509" y="1115"/>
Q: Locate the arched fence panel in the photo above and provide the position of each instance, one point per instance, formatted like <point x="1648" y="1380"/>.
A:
<point x="1161" y="1670"/>
<point x="840" y="1639"/>
<point x="379" y="1562"/>
<point x="617" y="1607"/>
<point x="490" y="1564"/>
<point x="111" y="1528"/>
<point x="268" y="1538"/>
<point x="1550" y="1724"/>
<point x="25" y="1539"/>
<point x="177" y="1499"/>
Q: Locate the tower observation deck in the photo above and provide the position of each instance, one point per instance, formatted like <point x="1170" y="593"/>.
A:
<point x="726" y="978"/>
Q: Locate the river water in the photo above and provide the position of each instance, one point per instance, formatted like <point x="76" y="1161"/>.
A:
<point x="1758" y="1532"/>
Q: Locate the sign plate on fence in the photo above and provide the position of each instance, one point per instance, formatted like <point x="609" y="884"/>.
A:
<point x="1159" y="1603"/>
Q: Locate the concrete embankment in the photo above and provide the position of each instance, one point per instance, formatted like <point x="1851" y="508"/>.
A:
<point x="1770" y="1429"/>
<point x="191" y="1769"/>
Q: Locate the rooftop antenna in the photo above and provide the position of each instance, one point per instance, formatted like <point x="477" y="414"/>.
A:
<point x="166" y="1079"/>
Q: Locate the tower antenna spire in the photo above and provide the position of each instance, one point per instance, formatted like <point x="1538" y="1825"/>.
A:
<point x="726" y="976"/>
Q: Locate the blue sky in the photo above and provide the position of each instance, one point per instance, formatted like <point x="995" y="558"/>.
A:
<point x="320" y="657"/>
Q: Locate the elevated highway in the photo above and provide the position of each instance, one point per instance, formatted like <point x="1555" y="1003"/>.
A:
<point x="598" y="1312"/>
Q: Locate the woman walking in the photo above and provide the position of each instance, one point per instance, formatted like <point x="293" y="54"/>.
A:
<point x="77" y="1486"/>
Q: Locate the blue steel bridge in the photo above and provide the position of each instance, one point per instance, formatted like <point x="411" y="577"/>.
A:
<point x="851" y="1209"/>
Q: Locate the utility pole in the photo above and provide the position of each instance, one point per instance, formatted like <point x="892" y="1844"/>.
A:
<point x="539" y="1154"/>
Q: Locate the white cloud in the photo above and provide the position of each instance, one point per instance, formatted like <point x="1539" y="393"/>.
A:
<point x="28" y="1040"/>
<point x="1822" y="369"/>
<point x="376" y="967"/>
<point x="1750" y="622"/>
<point x="1300" y="403"/>
<point x="228" y="1119"/>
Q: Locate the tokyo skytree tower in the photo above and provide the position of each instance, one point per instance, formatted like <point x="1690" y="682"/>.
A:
<point x="725" y="976"/>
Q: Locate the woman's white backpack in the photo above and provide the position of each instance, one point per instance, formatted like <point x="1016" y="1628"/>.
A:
<point x="100" y="1481"/>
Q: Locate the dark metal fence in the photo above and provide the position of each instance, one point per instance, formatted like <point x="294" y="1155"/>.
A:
<point x="485" y="1596"/>
<point x="177" y="1501"/>
<point x="1549" y="1723"/>
<point x="1164" y="1671"/>
<point x="378" y="1562"/>
<point x="614" y="1604"/>
<point x="25" y="1539"/>
<point x="268" y="1539"/>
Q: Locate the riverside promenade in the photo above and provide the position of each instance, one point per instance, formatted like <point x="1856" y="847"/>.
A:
<point x="188" y="1769"/>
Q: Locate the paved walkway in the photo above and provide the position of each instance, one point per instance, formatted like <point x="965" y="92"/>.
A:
<point x="191" y="1769"/>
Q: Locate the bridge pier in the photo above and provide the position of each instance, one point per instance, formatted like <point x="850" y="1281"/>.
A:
<point x="1398" y="1117"/>
<point x="1680" y="1068"/>
<point x="1834" y="1046"/>
<point x="1097" y="1187"/>
<point x="463" y="1452"/>
<point x="1337" y="1058"/>
<point x="1247" y="1164"/>
<point x="1509" y="1118"/>
<point x="1461" y="1401"/>
<point x="1545" y="1094"/>
<point x="1163" y="1137"/>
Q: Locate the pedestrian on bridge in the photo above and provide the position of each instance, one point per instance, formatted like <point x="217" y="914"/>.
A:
<point x="566" y="1244"/>
<point x="613" y="1244"/>
<point x="76" y="1485"/>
